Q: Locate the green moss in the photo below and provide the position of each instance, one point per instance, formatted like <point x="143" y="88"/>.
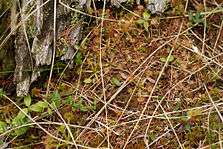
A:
<point x="179" y="8"/>
<point x="195" y="135"/>
<point x="215" y="93"/>
<point x="4" y="5"/>
<point x="212" y="137"/>
<point x="214" y="122"/>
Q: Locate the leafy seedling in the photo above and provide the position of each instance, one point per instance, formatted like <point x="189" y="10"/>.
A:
<point x="144" y="21"/>
<point x="87" y="80"/>
<point x="27" y="100"/>
<point x="187" y="127"/>
<point x="151" y="136"/>
<point x="78" y="58"/>
<point x="19" y="120"/>
<point x="56" y="99"/>
<point x="2" y="93"/>
<point x="76" y="105"/>
<point x="3" y="127"/>
<point x="194" y="113"/>
<point x="196" y="18"/>
<point x="94" y="105"/>
<point x="115" y="81"/>
<point x="38" y="107"/>
<point x="79" y="105"/>
<point x="168" y="59"/>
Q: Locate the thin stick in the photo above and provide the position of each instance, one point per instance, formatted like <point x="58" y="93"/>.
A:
<point x="216" y="108"/>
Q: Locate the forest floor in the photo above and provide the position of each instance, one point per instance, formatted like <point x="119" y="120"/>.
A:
<point x="138" y="81"/>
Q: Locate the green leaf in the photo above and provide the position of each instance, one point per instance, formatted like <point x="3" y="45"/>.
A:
<point x="21" y="131"/>
<point x="87" y="81"/>
<point x="69" y="100"/>
<point x="21" y="115"/>
<point x="198" y="17"/>
<point x="56" y="99"/>
<point x="194" y="112"/>
<point x="49" y="111"/>
<point x="152" y="136"/>
<point x="61" y="128"/>
<point x="79" y="105"/>
<point x="2" y="143"/>
<point x="146" y="16"/>
<point x="38" y="107"/>
<point x="27" y="100"/>
<point x="19" y="120"/>
<point x="168" y="59"/>
<point x="163" y="59"/>
<point x="83" y="108"/>
<point x="142" y="49"/>
<point x="115" y="81"/>
<point x="78" y="58"/>
<point x="2" y="93"/>
<point x="76" y="106"/>
<point x="146" y="25"/>
<point x="3" y="126"/>
<point x="140" y="21"/>
<point x="187" y="127"/>
<point x="94" y="105"/>
<point x="177" y="107"/>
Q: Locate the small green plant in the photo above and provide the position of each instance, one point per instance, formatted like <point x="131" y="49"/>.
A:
<point x="55" y="99"/>
<point x="142" y="49"/>
<point x="3" y="126"/>
<point x="151" y="136"/>
<point x="79" y="105"/>
<point x="2" y="93"/>
<point x="168" y="59"/>
<point x="27" y="100"/>
<point x="38" y="107"/>
<point x="115" y="81"/>
<point x="144" y="21"/>
<point x="21" y="118"/>
<point x="78" y="58"/>
<point x="196" y="18"/>
<point x="194" y="113"/>
<point x="87" y="80"/>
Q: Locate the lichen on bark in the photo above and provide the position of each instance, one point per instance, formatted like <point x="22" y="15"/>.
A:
<point x="31" y="56"/>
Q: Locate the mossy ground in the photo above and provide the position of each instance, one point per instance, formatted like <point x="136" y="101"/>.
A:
<point x="163" y="87"/>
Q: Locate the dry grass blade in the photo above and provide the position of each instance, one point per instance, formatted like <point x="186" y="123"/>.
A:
<point x="214" y="104"/>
